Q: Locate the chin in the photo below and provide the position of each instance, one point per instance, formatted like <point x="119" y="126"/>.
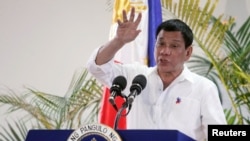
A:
<point x="163" y="68"/>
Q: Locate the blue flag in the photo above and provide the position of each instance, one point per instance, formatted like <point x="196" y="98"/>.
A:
<point x="154" y="19"/>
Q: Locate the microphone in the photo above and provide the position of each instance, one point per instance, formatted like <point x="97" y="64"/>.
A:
<point x="119" y="84"/>
<point x="138" y="84"/>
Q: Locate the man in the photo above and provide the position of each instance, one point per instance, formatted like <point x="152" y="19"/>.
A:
<point x="174" y="97"/>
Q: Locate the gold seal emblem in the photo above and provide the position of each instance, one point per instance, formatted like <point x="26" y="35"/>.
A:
<point x="94" y="132"/>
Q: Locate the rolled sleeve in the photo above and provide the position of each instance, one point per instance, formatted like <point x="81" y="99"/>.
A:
<point x="100" y="72"/>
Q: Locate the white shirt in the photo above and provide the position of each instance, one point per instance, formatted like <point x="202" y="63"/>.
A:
<point x="188" y="104"/>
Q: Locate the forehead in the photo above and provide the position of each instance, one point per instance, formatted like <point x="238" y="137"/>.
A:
<point x="170" y="36"/>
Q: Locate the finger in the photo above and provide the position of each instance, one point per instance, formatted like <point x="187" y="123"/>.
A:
<point x="119" y="22"/>
<point x="138" y="19"/>
<point x="137" y="32"/>
<point x="132" y="15"/>
<point x="124" y="16"/>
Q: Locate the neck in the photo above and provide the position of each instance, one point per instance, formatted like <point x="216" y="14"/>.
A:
<point x="168" y="77"/>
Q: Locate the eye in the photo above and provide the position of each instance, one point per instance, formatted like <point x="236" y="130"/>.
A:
<point x="160" y="44"/>
<point x="174" y="45"/>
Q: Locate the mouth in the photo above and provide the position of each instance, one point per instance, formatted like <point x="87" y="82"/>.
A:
<point x="163" y="61"/>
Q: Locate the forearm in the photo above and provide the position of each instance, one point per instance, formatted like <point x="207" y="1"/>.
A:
<point x="126" y="32"/>
<point x="108" y="51"/>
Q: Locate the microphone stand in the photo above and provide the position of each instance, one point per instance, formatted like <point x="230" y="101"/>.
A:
<point x="119" y="113"/>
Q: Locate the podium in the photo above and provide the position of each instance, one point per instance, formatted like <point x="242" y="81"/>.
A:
<point x="126" y="135"/>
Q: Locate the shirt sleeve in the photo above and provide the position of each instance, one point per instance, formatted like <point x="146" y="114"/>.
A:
<point x="211" y="110"/>
<point x="106" y="73"/>
<point x="100" y="72"/>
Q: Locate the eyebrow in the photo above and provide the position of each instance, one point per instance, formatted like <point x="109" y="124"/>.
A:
<point x="175" y="40"/>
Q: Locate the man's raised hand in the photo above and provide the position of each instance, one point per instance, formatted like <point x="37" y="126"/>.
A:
<point x="127" y="29"/>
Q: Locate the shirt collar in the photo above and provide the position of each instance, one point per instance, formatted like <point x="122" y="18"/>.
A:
<point x="186" y="74"/>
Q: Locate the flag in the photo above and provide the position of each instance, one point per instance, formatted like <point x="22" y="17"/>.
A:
<point x="136" y="50"/>
<point x="155" y="18"/>
<point x="108" y="113"/>
<point x="140" y="50"/>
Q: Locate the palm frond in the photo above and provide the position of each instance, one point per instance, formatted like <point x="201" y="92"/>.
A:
<point x="15" y="132"/>
<point x="54" y="112"/>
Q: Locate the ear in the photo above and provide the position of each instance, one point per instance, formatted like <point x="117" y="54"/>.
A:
<point x="189" y="51"/>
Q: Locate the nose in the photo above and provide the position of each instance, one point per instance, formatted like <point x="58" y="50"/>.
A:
<point x="165" y="51"/>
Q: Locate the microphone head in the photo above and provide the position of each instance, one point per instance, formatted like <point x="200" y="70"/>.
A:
<point x="119" y="83"/>
<point x="139" y="83"/>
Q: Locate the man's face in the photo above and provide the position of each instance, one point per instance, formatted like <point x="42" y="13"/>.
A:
<point x="170" y="52"/>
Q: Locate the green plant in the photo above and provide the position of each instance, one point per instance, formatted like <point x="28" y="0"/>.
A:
<point x="47" y="111"/>
<point x="232" y="72"/>
<point x="235" y="70"/>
